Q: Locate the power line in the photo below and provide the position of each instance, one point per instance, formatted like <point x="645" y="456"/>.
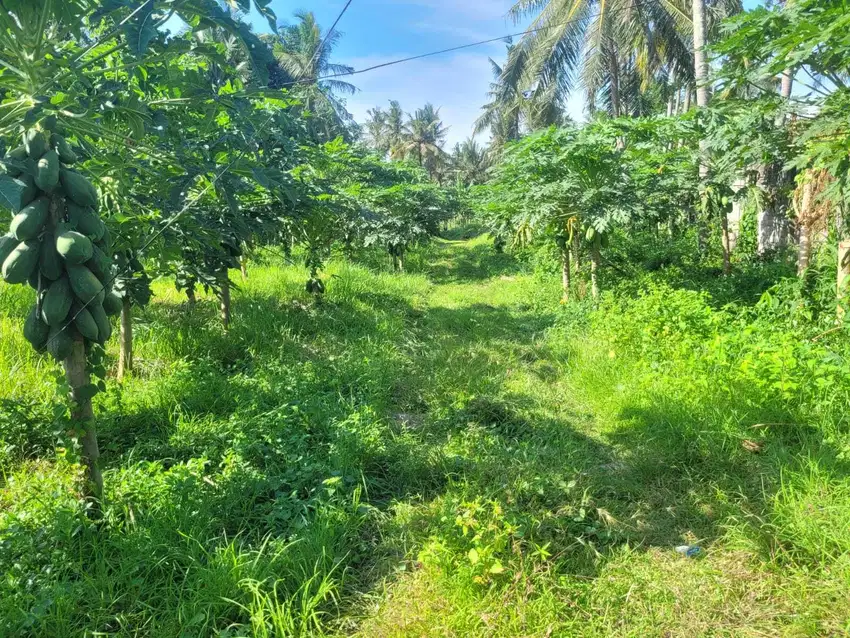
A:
<point x="330" y="32"/>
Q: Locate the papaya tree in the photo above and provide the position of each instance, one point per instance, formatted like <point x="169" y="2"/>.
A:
<point x="57" y="61"/>
<point x="567" y="186"/>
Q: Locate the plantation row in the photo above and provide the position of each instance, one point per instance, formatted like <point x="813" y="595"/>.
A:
<point x="194" y="150"/>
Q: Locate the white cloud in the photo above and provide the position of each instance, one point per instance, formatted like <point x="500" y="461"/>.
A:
<point x="457" y="84"/>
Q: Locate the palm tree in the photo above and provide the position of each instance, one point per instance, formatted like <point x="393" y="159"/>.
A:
<point x="303" y="52"/>
<point x="423" y="139"/>
<point x="470" y="162"/>
<point x="385" y="129"/>
<point x="605" y="45"/>
<point x="511" y="111"/>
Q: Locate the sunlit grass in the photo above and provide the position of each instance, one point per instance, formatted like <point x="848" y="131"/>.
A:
<point x="448" y="452"/>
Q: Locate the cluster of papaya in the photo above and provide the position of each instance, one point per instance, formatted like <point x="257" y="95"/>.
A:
<point x="593" y="236"/>
<point x="59" y="245"/>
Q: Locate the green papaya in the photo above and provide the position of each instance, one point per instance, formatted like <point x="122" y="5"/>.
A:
<point x="47" y="171"/>
<point x="84" y="322"/>
<point x="35" y="330"/>
<point x="29" y="223"/>
<point x="29" y="190"/>
<point x="112" y="304"/>
<point x="60" y="341"/>
<point x="63" y="148"/>
<point x="8" y="243"/>
<point x="105" y="242"/>
<point x="57" y="302"/>
<point x="99" y="264"/>
<point x="85" y="285"/>
<point x="49" y="261"/>
<point x="73" y="247"/>
<point x="591" y="234"/>
<point x="15" y="155"/>
<point x="104" y="327"/>
<point x="35" y="280"/>
<point x="21" y="262"/>
<point x="35" y="143"/>
<point x="86" y="221"/>
<point x="78" y="188"/>
<point x="603" y="240"/>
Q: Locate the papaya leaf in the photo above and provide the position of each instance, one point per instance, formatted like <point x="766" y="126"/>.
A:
<point x="12" y="193"/>
<point x="141" y="29"/>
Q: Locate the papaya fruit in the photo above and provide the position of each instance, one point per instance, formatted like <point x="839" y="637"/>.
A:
<point x="603" y="240"/>
<point x="112" y="304"/>
<point x="64" y="150"/>
<point x="73" y="247"/>
<point x="105" y="242"/>
<point x="49" y="262"/>
<point x="47" y="171"/>
<point x="60" y="340"/>
<point x="99" y="264"/>
<point x="8" y="243"/>
<point x="35" y="280"/>
<point x="57" y="302"/>
<point x="35" y="330"/>
<point x="591" y="234"/>
<point x="29" y="223"/>
<point x="35" y="143"/>
<point x="85" y="285"/>
<point x="104" y="327"/>
<point x="29" y="191"/>
<point x="78" y="188"/>
<point x="84" y="322"/>
<point x="21" y="262"/>
<point x="15" y="155"/>
<point x="86" y="221"/>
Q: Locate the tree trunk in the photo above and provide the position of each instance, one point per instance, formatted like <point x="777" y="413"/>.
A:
<point x="700" y="63"/>
<point x="82" y="415"/>
<point x="804" y="227"/>
<point x="125" y="352"/>
<point x="577" y="263"/>
<point x="190" y="295"/>
<point x="594" y="269"/>
<point x="243" y="268"/>
<point x="225" y="301"/>
<point x="688" y="94"/>
<point x="727" y="243"/>
<point x="671" y="80"/>
<point x="843" y="273"/>
<point x="401" y="261"/>
<point x="614" y="70"/>
<point x="565" y="272"/>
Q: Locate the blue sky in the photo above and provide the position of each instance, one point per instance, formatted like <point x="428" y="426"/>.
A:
<point x="377" y="31"/>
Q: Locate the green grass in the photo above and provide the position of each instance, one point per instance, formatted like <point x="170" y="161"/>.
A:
<point x="448" y="452"/>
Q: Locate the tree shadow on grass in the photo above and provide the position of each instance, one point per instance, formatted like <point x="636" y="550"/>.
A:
<point x="469" y="263"/>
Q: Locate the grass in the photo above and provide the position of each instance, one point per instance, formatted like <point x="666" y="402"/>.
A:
<point x="443" y="453"/>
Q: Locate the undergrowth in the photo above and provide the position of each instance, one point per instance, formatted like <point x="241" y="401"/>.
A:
<point x="449" y="452"/>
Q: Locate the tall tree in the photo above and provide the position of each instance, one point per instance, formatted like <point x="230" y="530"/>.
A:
<point x="423" y="139"/>
<point x="303" y="52"/>
<point x="470" y="162"/>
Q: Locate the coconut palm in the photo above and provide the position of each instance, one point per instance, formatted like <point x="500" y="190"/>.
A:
<point x="423" y="139"/>
<point x="385" y="129"/>
<point x="606" y="46"/>
<point x="470" y="162"/>
<point x="303" y="53"/>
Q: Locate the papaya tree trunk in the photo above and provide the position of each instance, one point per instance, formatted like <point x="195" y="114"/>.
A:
<point x="243" y="268"/>
<point x="594" y="271"/>
<point x="82" y="415"/>
<point x="225" y="301"/>
<point x="565" y="272"/>
<point x="727" y="243"/>
<point x="401" y="260"/>
<point x="582" y="291"/>
<point x="804" y="229"/>
<point x="190" y="296"/>
<point x="125" y="353"/>
<point x="843" y="273"/>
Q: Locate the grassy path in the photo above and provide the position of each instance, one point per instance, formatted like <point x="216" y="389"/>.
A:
<point x="431" y="454"/>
